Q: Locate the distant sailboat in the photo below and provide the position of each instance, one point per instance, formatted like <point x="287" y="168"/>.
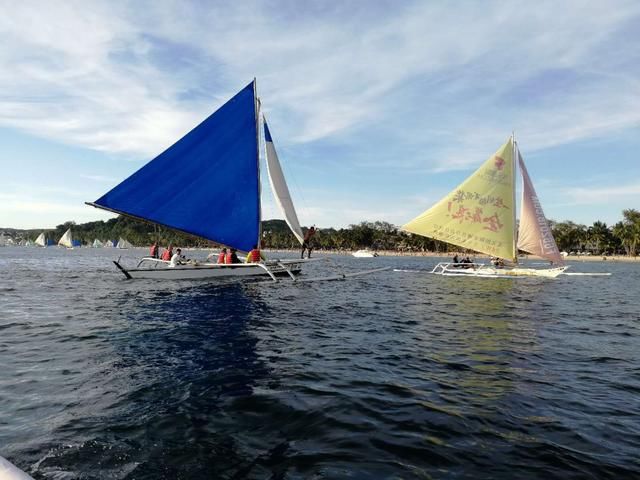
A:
<point x="66" y="240"/>
<point x="41" y="241"/>
<point x="97" y="244"/>
<point x="218" y="167"/>
<point x="122" y="243"/>
<point x="480" y="215"/>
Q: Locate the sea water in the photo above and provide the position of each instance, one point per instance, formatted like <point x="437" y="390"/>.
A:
<point x="400" y="374"/>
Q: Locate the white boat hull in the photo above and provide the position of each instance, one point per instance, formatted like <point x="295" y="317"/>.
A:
<point x="489" y="271"/>
<point x="160" y="270"/>
<point x="364" y="254"/>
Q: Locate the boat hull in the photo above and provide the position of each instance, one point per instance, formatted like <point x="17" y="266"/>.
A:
<point x="364" y="254"/>
<point x="489" y="271"/>
<point x="161" y="271"/>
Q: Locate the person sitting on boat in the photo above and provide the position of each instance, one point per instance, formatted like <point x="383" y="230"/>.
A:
<point x="232" y="257"/>
<point x="254" y="256"/>
<point x="222" y="255"/>
<point x="307" y="244"/>
<point x="456" y="260"/>
<point x="176" y="259"/>
<point x="154" y="250"/>
<point x="167" y="255"/>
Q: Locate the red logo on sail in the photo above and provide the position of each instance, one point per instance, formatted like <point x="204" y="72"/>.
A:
<point x="499" y="163"/>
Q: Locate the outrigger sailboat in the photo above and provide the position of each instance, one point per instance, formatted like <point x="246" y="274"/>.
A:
<point x="66" y="240"/>
<point x="41" y="241"/>
<point x="480" y="214"/>
<point x="208" y="185"/>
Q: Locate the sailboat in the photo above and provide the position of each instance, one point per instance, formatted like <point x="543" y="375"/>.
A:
<point x="97" y="244"/>
<point x="207" y="185"/>
<point x="66" y="240"/>
<point x="122" y="243"/>
<point x="41" y="241"/>
<point x="480" y="214"/>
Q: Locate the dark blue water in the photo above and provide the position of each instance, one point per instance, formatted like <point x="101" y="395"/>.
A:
<point x="395" y="375"/>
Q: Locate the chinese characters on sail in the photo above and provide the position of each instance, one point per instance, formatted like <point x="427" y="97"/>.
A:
<point x="471" y="207"/>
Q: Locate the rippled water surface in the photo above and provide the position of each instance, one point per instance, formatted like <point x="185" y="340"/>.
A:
<point x="399" y="374"/>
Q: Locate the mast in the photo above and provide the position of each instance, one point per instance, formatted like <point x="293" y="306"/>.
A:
<point x="513" y="193"/>
<point x="256" y="102"/>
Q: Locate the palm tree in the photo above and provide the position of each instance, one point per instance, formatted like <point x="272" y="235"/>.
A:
<point x="598" y="235"/>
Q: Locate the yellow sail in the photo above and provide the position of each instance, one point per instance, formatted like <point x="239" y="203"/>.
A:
<point x="479" y="213"/>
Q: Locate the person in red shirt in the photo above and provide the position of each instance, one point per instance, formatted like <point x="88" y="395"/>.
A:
<point x="232" y="257"/>
<point x="154" y="250"/>
<point x="222" y="256"/>
<point x="254" y="256"/>
<point x="167" y="254"/>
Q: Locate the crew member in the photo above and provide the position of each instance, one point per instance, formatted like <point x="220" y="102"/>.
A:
<point x="307" y="244"/>
<point x="222" y="256"/>
<point x="154" y="250"/>
<point x="176" y="259"/>
<point x="254" y="256"/>
<point x="167" y="254"/>
<point x="232" y="257"/>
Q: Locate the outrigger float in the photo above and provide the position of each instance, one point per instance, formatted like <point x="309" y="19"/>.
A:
<point x="207" y="185"/>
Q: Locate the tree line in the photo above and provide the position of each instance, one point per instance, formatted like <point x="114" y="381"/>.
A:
<point x="597" y="239"/>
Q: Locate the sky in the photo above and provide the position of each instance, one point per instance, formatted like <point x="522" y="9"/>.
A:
<point x="377" y="108"/>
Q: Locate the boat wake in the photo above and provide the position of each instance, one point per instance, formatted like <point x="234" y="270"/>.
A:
<point x="586" y="274"/>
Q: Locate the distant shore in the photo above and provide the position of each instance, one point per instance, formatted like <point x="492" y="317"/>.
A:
<point x="394" y="253"/>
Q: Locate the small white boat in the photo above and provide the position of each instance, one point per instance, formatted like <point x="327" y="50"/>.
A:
<point x="480" y="214"/>
<point x="364" y="254"/>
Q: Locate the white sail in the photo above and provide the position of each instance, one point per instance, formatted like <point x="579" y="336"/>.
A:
<point x="534" y="234"/>
<point x="97" y="243"/>
<point x="279" y="186"/>
<point x="66" y="240"/>
<point x="41" y="240"/>
<point x="122" y="243"/>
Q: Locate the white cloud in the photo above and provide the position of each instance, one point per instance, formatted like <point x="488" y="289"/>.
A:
<point x="599" y="196"/>
<point x="421" y="87"/>
<point x="103" y="75"/>
<point x="20" y="211"/>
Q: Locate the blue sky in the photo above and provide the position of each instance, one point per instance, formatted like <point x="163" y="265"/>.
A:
<point x="377" y="108"/>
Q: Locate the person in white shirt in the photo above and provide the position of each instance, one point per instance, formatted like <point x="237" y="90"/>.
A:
<point x="176" y="259"/>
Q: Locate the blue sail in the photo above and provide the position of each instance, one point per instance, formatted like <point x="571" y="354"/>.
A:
<point x="206" y="184"/>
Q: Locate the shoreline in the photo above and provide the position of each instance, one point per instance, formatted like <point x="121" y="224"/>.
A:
<point x="394" y="253"/>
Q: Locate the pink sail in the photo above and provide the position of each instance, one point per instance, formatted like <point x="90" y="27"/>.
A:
<point x="534" y="234"/>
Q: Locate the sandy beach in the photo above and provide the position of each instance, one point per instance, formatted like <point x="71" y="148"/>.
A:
<point x="394" y="253"/>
